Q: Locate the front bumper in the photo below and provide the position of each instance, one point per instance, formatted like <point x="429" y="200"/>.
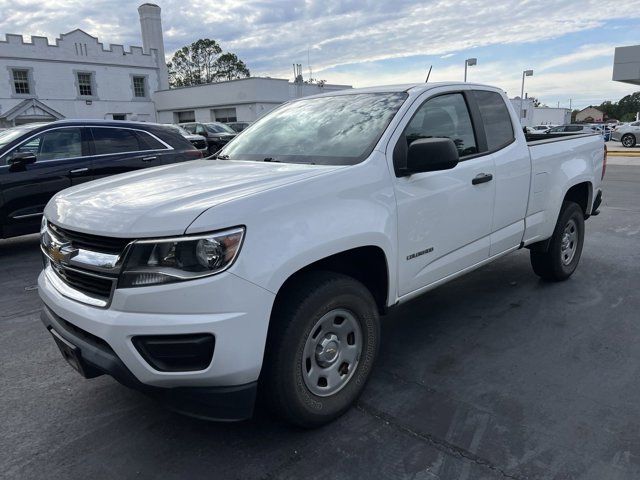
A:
<point x="215" y="403"/>
<point x="234" y="311"/>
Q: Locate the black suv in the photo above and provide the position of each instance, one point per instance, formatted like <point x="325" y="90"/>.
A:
<point x="40" y="159"/>
<point x="217" y="134"/>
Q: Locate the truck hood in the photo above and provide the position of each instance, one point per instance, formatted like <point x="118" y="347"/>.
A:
<point x="163" y="201"/>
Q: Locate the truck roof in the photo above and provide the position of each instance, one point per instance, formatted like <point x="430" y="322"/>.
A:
<point x="404" y="87"/>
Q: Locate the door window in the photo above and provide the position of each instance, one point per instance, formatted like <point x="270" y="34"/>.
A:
<point x="495" y="118"/>
<point x="54" y="144"/>
<point x="115" y="140"/>
<point x="149" y="142"/>
<point x="445" y="116"/>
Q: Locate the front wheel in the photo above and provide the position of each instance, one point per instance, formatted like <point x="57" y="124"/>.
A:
<point x="322" y="344"/>
<point x="561" y="258"/>
<point x="628" y="140"/>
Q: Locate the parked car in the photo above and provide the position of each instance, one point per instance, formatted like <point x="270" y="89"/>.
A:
<point x="573" y="129"/>
<point x="542" y="128"/>
<point x="238" y="126"/>
<point x="217" y="134"/>
<point x="270" y="265"/>
<point x="627" y="134"/>
<point x="197" y="141"/>
<point x="38" y="160"/>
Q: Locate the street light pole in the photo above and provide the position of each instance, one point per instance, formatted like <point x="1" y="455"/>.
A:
<point x="526" y="73"/>
<point x="469" y="62"/>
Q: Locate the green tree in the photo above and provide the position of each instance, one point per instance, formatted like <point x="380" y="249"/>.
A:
<point x="229" y="67"/>
<point x="203" y="62"/>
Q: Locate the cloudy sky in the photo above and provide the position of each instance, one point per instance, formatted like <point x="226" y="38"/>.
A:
<point x="569" y="44"/>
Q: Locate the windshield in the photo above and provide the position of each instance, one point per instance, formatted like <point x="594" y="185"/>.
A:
<point x="338" y="130"/>
<point x="219" y="128"/>
<point x="178" y="128"/>
<point x="11" y="134"/>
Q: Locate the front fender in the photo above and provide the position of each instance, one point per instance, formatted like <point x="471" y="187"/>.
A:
<point x="292" y="226"/>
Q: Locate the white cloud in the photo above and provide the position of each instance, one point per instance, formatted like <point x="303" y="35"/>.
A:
<point x="584" y="53"/>
<point x="271" y="35"/>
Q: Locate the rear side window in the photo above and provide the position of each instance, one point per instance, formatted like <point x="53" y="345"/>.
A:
<point x="148" y="142"/>
<point x="495" y="118"/>
<point x="115" y="140"/>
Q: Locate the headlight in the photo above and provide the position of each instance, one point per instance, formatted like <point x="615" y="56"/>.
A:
<point x="155" y="262"/>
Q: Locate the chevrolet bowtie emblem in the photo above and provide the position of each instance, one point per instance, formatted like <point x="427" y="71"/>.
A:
<point x="61" y="252"/>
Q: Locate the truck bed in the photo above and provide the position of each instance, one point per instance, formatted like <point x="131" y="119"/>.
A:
<point x="540" y="138"/>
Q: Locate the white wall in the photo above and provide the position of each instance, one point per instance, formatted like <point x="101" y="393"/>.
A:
<point x="551" y="116"/>
<point x="251" y="97"/>
<point x="53" y="71"/>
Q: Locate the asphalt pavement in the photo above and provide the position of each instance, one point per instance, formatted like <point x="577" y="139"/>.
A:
<point x="494" y="375"/>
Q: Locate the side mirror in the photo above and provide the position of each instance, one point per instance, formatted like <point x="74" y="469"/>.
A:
<point x="22" y="158"/>
<point x="431" y="154"/>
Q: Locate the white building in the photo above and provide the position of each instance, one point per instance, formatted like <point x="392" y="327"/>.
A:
<point x="242" y="100"/>
<point x="531" y="115"/>
<point x="79" y="77"/>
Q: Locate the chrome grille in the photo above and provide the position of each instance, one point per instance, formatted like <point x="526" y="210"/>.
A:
<point x="85" y="282"/>
<point x="81" y="266"/>
<point x="96" y="243"/>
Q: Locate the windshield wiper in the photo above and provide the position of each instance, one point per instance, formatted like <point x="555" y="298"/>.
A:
<point x="221" y="157"/>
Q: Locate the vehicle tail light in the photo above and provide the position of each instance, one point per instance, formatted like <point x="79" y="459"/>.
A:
<point x="604" y="162"/>
<point x="193" y="154"/>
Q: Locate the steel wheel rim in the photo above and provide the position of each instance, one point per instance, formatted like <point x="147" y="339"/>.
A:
<point x="569" y="243"/>
<point x="331" y="352"/>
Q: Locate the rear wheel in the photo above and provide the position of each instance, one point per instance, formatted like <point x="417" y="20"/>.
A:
<point x="561" y="259"/>
<point x="322" y="343"/>
<point x="628" y="140"/>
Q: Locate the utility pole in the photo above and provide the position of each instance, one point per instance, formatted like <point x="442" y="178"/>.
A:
<point x="469" y="62"/>
<point x="526" y="73"/>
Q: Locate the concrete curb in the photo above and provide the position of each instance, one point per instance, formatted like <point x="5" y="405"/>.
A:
<point x="618" y="153"/>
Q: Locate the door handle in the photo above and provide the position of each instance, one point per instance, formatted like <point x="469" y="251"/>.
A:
<point x="149" y="159"/>
<point x="482" y="178"/>
<point x="78" y="170"/>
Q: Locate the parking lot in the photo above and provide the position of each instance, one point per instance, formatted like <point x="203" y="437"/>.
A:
<point x="494" y="375"/>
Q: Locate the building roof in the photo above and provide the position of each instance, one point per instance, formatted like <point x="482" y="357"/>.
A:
<point x="591" y="108"/>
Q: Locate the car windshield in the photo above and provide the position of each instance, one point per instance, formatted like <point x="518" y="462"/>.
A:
<point x="178" y="128"/>
<point x="218" y="128"/>
<point x="11" y="134"/>
<point x="337" y="130"/>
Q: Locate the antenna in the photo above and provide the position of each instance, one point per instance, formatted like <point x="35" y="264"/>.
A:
<point x="428" y="74"/>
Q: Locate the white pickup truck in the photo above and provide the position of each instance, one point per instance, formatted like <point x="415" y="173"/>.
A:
<point x="266" y="268"/>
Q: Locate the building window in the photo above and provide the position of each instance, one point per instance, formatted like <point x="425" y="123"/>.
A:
<point x="224" y="115"/>
<point x="85" y="84"/>
<point x="139" y="89"/>
<point x="186" y="116"/>
<point x="21" y="82"/>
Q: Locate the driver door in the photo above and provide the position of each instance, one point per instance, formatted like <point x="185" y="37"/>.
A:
<point x="61" y="161"/>
<point x="444" y="217"/>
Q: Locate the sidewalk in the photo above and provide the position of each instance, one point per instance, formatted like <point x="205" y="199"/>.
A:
<point x="615" y="149"/>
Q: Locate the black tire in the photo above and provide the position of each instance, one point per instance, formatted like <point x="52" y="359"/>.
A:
<point x="555" y="264"/>
<point x="628" y="140"/>
<point x="213" y="148"/>
<point x="311" y="298"/>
